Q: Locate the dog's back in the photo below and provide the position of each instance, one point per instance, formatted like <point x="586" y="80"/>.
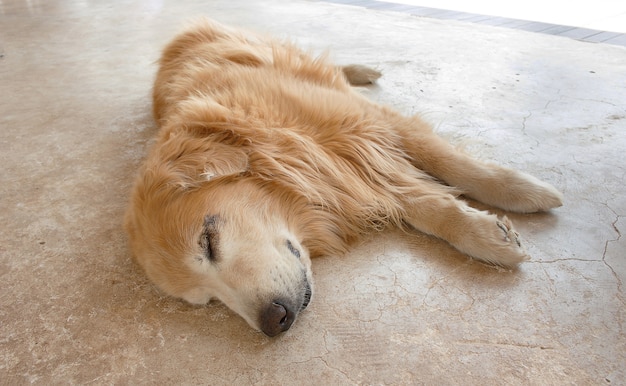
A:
<point x="300" y="121"/>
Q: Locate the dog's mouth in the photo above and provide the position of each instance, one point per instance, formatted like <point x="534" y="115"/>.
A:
<point x="307" y="296"/>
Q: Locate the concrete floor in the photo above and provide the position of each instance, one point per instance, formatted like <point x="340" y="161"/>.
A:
<point x="75" y="122"/>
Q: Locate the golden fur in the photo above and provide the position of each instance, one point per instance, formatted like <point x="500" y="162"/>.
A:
<point x="266" y="158"/>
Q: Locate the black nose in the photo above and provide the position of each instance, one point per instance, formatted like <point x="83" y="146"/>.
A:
<point x="276" y="318"/>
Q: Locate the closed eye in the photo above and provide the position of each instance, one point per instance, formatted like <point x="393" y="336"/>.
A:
<point x="293" y="249"/>
<point x="209" y="238"/>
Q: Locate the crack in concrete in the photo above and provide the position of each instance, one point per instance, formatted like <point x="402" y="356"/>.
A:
<point x="388" y="266"/>
<point x="551" y="281"/>
<point x="248" y="375"/>
<point x="606" y="247"/>
<point x="323" y="359"/>
<point x="439" y="280"/>
<point x="563" y="259"/>
<point x="530" y="114"/>
<point x="601" y="102"/>
<point x="505" y="344"/>
<point x="469" y="306"/>
<point x="396" y="282"/>
<point x="352" y="381"/>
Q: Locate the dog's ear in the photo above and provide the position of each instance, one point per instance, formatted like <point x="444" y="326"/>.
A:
<point x="198" y="143"/>
<point x="190" y="159"/>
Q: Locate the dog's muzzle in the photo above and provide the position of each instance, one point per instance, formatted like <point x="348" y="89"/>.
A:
<point x="281" y="313"/>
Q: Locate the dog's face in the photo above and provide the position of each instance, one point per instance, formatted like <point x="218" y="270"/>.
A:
<point x="225" y="239"/>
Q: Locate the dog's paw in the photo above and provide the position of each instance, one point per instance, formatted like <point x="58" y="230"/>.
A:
<point x="529" y="194"/>
<point x="494" y="241"/>
<point x="505" y="246"/>
<point x="510" y="235"/>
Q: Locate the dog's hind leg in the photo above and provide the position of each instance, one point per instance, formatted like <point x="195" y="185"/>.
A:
<point x="489" y="183"/>
<point x="478" y="234"/>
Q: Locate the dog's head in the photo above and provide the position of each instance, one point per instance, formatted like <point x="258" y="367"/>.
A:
<point x="202" y="228"/>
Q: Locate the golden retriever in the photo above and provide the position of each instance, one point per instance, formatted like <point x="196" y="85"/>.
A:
<point x="266" y="158"/>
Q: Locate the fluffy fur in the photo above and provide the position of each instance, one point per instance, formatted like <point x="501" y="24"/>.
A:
<point x="266" y="158"/>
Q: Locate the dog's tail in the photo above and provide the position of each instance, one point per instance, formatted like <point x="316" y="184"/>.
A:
<point x="359" y="75"/>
